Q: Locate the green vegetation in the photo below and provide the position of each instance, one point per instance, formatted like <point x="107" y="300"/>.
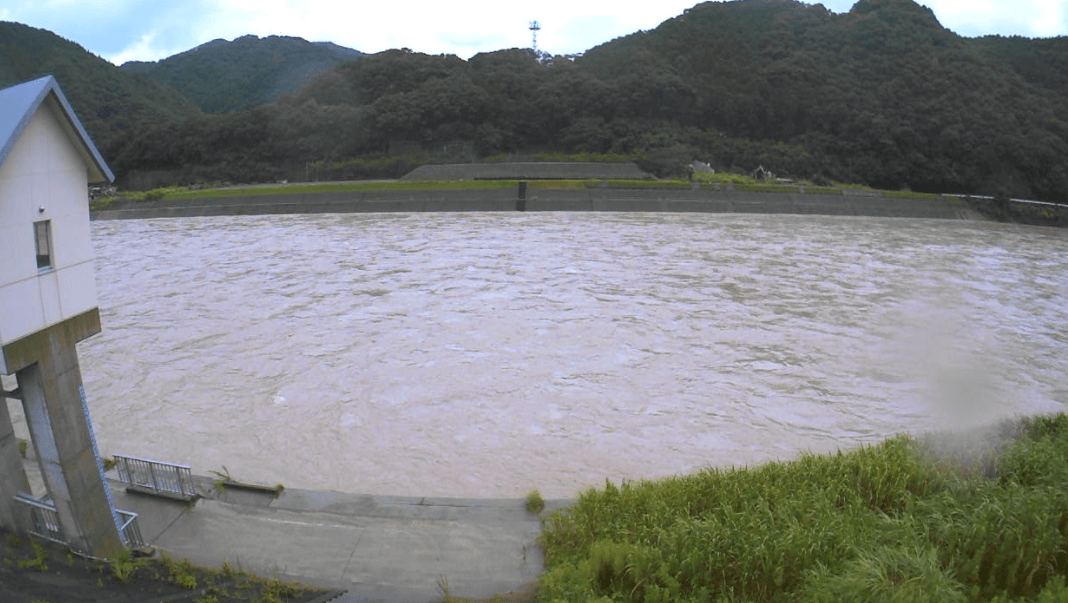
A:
<point x="723" y="178"/>
<point x="197" y="192"/>
<point x="882" y="94"/>
<point x="124" y="565"/>
<point x="443" y="586"/>
<point x="39" y="561"/>
<point x="906" y="520"/>
<point x="766" y="188"/>
<point x="223" y="76"/>
<point x="535" y="503"/>
<point x="23" y="446"/>
<point x="910" y="195"/>
<point x="180" y="572"/>
<point x="110" y="104"/>
<point x="822" y="190"/>
<point x="158" y="578"/>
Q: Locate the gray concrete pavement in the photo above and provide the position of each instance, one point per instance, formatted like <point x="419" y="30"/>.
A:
<point x="379" y="548"/>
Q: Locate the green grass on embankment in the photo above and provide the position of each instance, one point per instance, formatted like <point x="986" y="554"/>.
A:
<point x="736" y="182"/>
<point x="202" y="192"/>
<point x="180" y="192"/>
<point x="905" y="521"/>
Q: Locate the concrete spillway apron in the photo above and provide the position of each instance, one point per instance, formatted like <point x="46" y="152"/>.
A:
<point x="379" y="548"/>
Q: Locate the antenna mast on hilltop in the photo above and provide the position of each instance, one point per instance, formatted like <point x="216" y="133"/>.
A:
<point x="534" y="27"/>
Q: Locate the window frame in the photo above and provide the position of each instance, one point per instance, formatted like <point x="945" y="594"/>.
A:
<point x="46" y="261"/>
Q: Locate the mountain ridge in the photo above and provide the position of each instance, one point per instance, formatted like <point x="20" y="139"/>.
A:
<point x="107" y="101"/>
<point x="222" y="76"/>
<point x="882" y="95"/>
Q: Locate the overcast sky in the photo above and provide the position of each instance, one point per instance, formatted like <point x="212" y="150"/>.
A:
<point x="148" y="30"/>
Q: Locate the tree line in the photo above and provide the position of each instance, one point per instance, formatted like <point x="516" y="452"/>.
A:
<point x="882" y="95"/>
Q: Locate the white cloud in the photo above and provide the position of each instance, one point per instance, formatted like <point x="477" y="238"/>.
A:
<point x="1051" y="20"/>
<point x="1033" y="18"/>
<point x="142" y="50"/>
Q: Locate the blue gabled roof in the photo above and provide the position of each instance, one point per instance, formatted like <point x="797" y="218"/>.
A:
<point x="18" y="104"/>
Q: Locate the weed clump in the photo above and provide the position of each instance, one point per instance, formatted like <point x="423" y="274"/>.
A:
<point x="39" y="561"/>
<point x="535" y="503"/>
<point x="123" y="566"/>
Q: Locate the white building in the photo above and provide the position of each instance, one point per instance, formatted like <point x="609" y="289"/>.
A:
<point x="47" y="305"/>
<point x="46" y="163"/>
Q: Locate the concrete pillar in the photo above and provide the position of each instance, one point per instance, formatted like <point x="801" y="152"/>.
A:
<point x="63" y="439"/>
<point x="50" y="382"/>
<point x="12" y="472"/>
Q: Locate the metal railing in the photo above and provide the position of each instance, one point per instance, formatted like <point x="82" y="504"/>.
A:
<point x="44" y="521"/>
<point x="130" y="532"/>
<point x="159" y="477"/>
<point x="1014" y="200"/>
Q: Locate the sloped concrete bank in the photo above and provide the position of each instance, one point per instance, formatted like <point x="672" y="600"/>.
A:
<point x="528" y="170"/>
<point x="593" y="199"/>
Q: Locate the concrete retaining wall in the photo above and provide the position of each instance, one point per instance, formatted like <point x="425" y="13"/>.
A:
<point x="529" y="170"/>
<point x="595" y="199"/>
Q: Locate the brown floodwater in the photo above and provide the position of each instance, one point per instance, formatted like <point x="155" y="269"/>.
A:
<point x="487" y="354"/>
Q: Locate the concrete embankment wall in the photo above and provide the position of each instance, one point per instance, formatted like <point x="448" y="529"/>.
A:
<point x="531" y="170"/>
<point x="594" y="199"/>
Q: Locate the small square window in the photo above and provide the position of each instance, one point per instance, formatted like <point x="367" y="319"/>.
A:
<point x="42" y="234"/>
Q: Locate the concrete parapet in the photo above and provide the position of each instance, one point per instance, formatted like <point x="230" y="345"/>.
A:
<point x="710" y="200"/>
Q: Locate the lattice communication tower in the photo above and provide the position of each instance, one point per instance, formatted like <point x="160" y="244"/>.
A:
<point x="534" y="27"/>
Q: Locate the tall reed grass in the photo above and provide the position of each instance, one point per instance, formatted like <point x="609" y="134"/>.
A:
<point x="906" y="520"/>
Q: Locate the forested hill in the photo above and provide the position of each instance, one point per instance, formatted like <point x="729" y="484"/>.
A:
<point x="884" y="92"/>
<point x="882" y="95"/>
<point x="108" y="101"/>
<point x="223" y="76"/>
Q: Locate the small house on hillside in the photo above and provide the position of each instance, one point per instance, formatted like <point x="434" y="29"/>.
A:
<point x="47" y="305"/>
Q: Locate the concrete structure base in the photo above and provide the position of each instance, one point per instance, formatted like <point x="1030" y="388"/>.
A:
<point x="53" y="399"/>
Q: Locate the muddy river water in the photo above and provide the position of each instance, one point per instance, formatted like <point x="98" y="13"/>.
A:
<point x="487" y="354"/>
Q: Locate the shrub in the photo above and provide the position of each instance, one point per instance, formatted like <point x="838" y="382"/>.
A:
<point x="894" y="574"/>
<point x="535" y="503"/>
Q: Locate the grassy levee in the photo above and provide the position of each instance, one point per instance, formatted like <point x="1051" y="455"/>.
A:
<point x="904" y="521"/>
<point x="181" y="192"/>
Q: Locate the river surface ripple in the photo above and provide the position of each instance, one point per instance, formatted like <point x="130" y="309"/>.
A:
<point x="487" y="354"/>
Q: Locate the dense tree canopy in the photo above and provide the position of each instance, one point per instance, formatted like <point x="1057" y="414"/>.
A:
<point x="108" y="102"/>
<point x="882" y="95"/>
<point x="223" y="76"/>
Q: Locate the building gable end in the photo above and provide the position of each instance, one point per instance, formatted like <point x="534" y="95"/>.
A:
<point x="18" y="105"/>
